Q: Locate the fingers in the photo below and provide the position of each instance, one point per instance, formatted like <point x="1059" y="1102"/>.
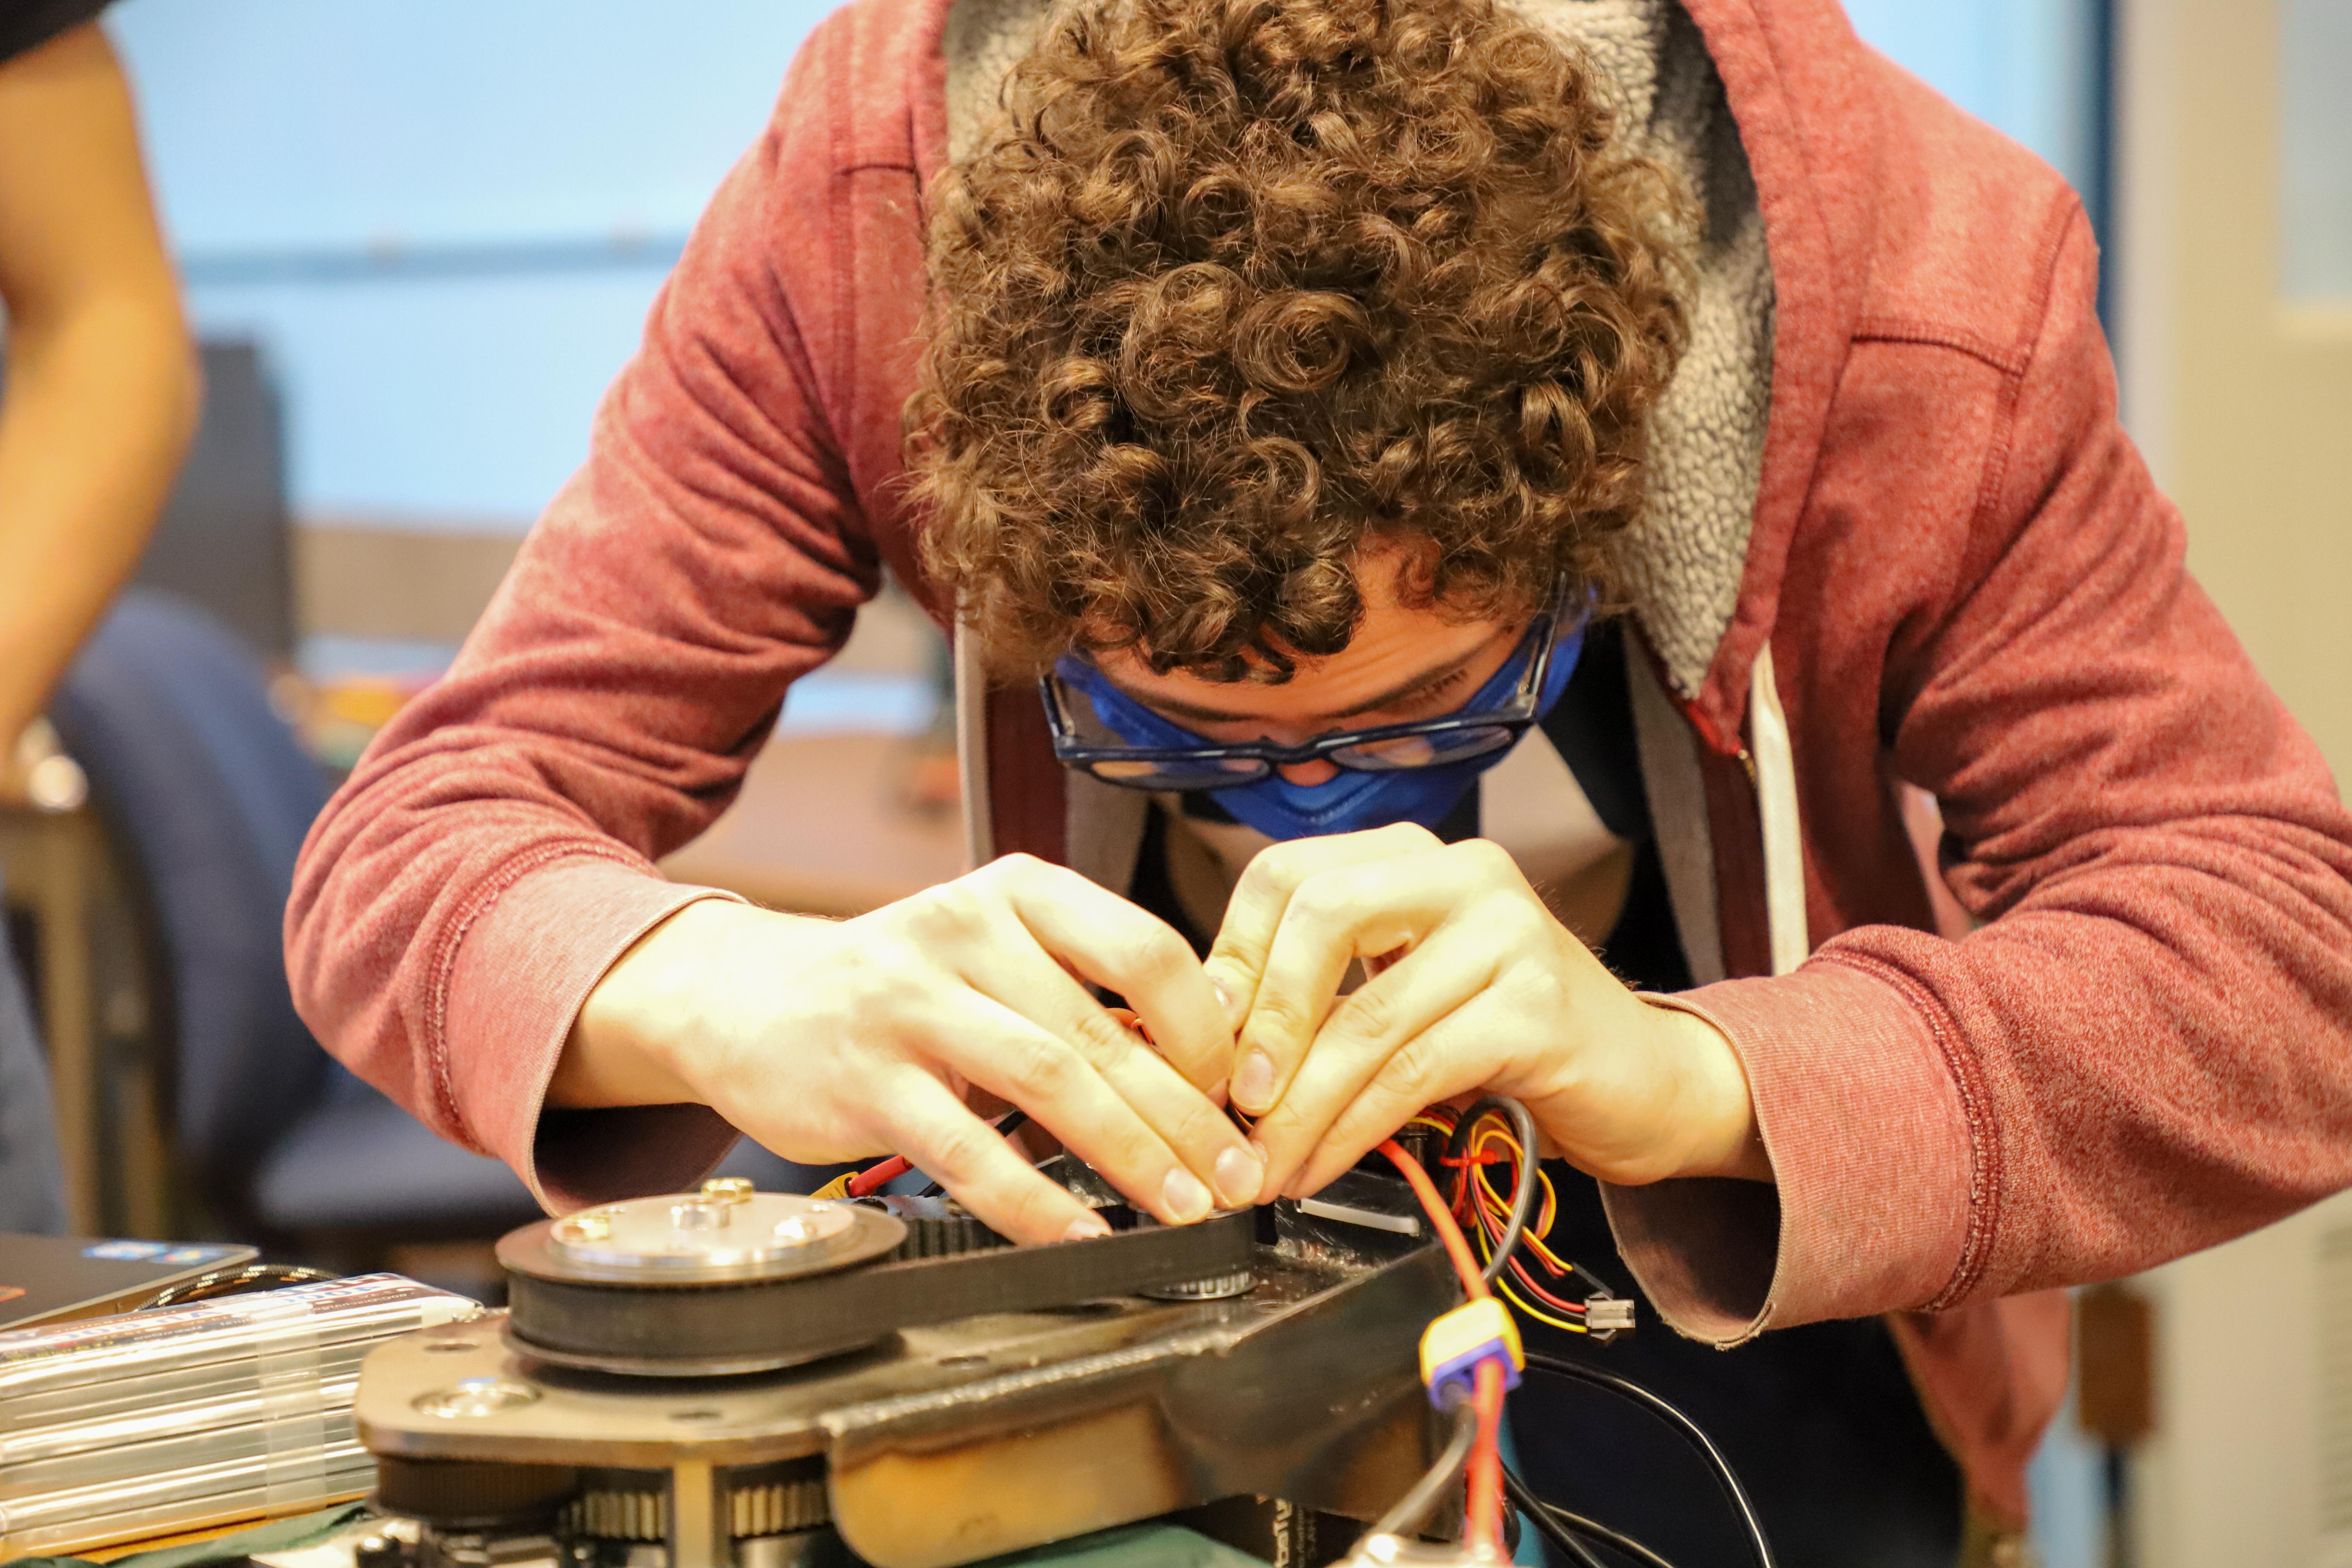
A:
<point x="1445" y="1062"/>
<point x="1390" y="1032"/>
<point x="931" y="1127"/>
<point x="1114" y="944"/>
<point x="1060" y="1087"/>
<point x="1202" y="1136"/>
<point x="1361" y="912"/>
<point x="1255" y="911"/>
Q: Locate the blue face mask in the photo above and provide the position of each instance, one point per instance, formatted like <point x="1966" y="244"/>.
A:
<point x="1351" y="800"/>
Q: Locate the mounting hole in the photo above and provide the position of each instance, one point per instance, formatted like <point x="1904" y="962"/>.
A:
<point x="697" y="1415"/>
<point x="961" y="1361"/>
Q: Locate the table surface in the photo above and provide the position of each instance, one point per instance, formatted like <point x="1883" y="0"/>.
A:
<point x="819" y="828"/>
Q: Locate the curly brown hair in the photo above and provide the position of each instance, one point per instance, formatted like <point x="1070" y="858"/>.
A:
<point x="1244" y="286"/>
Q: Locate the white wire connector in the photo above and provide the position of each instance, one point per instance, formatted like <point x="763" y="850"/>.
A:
<point x="1609" y="1314"/>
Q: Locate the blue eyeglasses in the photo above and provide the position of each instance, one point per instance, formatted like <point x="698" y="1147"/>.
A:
<point x="1386" y="748"/>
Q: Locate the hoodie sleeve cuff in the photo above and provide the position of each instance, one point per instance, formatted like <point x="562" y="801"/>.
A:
<point x="520" y="973"/>
<point x="1869" y="1206"/>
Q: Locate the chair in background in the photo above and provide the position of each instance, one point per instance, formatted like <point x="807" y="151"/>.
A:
<point x="207" y="798"/>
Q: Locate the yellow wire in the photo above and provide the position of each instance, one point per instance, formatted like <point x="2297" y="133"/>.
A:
<point x="1494" y="1197"/>
<point x="1502" y="1283"/>
<point x="1485" y="1195"/>
<point x="1492" y="1200"/>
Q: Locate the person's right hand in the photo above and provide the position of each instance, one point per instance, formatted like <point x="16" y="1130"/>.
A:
<point x="829" y="1041"/>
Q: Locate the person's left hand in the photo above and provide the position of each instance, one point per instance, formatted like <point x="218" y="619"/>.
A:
<point x="1475" y="988"/>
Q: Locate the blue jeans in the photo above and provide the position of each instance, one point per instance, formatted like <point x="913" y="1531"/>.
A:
<point x="32" y="1184"/>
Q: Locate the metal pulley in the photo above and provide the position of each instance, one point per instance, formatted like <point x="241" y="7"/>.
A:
<point x="726" y="1280"/>
<point x="725" y="1234"/>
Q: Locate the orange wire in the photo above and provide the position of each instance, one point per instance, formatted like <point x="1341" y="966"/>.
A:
<point x="1482" y="1529"/>
<point x="1474" y="1285"/>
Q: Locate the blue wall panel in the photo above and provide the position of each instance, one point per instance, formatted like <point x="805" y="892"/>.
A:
<point x="2317" y="147"/>
<point x="443" y="221"/>
<point x="2023" y="65"/>
<point x="288" y="123"/>
<point x="451" y="401"/>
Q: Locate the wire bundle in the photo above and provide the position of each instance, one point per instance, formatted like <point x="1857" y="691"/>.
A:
<point x="1476" y="1449"/>
<point x="1476" y="1144"/>
<point x="1500" y="1133"/>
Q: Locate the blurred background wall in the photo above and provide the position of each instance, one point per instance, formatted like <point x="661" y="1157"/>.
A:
<point x="443" y="223"/>
<point x="2234" y="313"/>
<point x="438" y="227"/>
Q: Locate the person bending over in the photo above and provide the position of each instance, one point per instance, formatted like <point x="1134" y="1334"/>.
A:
<point x="1503" y="500"/>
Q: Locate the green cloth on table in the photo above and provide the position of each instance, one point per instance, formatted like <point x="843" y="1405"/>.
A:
<point x="1139" y="1545"/>
<point x="1130" y="1546"/>
<point x="277" y="1535"/>
<point x="1133" y="1546"/>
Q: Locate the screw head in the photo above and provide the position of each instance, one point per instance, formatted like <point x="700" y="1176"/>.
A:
<point x="472" y="1398"/>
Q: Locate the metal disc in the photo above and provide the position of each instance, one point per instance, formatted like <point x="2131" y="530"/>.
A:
<point x="725" y="1234"/>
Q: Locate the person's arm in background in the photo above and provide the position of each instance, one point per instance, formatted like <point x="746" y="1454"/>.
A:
<point x="101" y="390"/>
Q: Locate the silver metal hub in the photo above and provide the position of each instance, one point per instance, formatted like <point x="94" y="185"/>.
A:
<point x="726" y="1233"/>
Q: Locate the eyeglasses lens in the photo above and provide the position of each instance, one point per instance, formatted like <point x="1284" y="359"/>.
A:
<point x="1402" y="751"/>
<point x="1219" y="772"/>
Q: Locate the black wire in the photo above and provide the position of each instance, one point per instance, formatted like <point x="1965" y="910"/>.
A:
<point x="1562" y="1526"/>
<point x="1012" y="1121"/>
<point x="1689" y="1430"/>
<point x="237" y="1281"/>
<point x="1524" y="1501"/>
<point x="1592" y="1282"/>
<point x="1523" y="1194"/>
<point x="1413" y="1507"/>
<point x="1597" y="1531"/>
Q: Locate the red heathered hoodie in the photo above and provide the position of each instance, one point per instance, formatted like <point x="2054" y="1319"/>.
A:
<point x="1960" y="570"/>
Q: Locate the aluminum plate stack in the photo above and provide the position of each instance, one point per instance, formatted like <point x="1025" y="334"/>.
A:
<point x="148" y="1424"/>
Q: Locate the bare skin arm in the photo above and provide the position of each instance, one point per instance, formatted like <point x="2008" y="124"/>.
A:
<point x="102" y="389"/>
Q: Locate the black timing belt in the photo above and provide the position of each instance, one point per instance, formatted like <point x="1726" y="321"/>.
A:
<point x="781" y="1322"/>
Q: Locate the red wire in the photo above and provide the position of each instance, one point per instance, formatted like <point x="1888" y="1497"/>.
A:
<point x="1484" y="1530"/>
<point x="1543" y="1295"/>
<point x="863" y="1184"/>
<point x="1464" y="1263"/>
<point x="869" y="1181"/>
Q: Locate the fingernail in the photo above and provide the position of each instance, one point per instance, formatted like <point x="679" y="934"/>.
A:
<point x="1239" y="1177"/>
<point x="1253" y="1085"/>
<point x="1186" y="1198"/>
<point x="1087" y="1226"/>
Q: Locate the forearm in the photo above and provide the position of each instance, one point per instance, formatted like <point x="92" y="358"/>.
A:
<point x="1716" y="1134"/>
<point x="100" y="405"/>
<point x="623" y="1046"/>
<point x="101" y="396"/>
